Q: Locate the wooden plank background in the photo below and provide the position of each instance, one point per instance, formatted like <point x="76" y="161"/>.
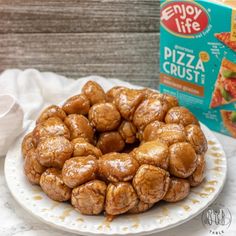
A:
<point x="111" y="38"/>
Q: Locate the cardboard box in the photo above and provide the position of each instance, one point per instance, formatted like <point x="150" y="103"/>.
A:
<point x="198" y="59"/>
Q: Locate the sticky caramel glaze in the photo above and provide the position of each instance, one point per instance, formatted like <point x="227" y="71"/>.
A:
<point x="110" y="94"/>
<point x="127" y="101"/>
<point x="151" y="183"/>
<point x="51" y="111"/>
<point x="110" y="142"/>
<point x="152" y="153"/>
<point x="120" y="198"/>
<point x="178" y="190"/>
<point x="183" y="160"/>
<point x="50" y="128"/>
<point x="78" y="104"/>
<point x="149" y="110"/>
<point x="89" y="198"/>
<point x="83" y="148"/>
<point x="171" y="133"/>
<point x="27" y="144"/>
<point x="104" y="117"/>
<point x="94" y="92"/>
<point x="117" y="167"/>
<point x="79" y="127"/>
<point x="198" y="175"/>
<point x="196" y="137"/>
<point x="127" y="131"/>
<point x="150" y="131"/>
<point x="78" y="170"/>
<point x="180" y="115"/>
<point x="52" y="184"/>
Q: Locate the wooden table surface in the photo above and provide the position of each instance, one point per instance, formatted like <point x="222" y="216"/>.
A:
<point x="75" y="38"/>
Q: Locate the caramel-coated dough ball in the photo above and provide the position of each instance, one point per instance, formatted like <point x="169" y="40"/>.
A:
<point x="120" y="198"/>
<point x="180" y="115"/>
<point x="152" y="153"/>
<point x="128" y="131"/>
<point x="54" y="151"/>
<point x="78" y="104"/>
<point x="127" y="100"/>
<point x="117" y="167"/>
<point x="52" y="127"/>
<point x="171" y="133"/>
<point x="151" y="183"/>
<point x="79" y="170"/>
<point x="196" y="137"/>
<point x="149" y="110"/>
<point x="110" y="94"/>
<point x="79" y="127"/>
<point x="178" y="190"/>
<point x="32" y="168"/>
<point x="110" y="142"/>
<point x="169" y="99"/>
<point x="51" y="111"/>
<point x="140" y="207"/>
<point x="94" y="92"/>
<point x="52" y="184"/>
<point x="27" y="144"/>
<point x="150" y="131"/>
<point x="183" y="160"/>
<point x="83" y="148"/>
<point x="199" y="174"/>
<point x="89" y="198"/>
<point x="104" y="117"/>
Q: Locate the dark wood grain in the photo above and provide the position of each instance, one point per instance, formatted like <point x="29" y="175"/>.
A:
<point x="76" y="16"/>
<point x="129" y="56"/>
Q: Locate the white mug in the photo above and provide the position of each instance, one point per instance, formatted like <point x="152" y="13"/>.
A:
<point x="11" y="121"/>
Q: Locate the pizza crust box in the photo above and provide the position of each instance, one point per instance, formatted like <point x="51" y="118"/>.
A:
<point x="198" y="59"/>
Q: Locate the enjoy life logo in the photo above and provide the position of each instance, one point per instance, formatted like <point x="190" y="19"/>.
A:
<point x="184" y="18"/>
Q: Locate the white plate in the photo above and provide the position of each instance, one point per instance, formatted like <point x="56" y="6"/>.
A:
<point x="161" y="217"/>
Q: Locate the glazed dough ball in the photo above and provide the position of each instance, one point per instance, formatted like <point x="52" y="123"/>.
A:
<point x="127" y="100"/>
<point x="149" y="110"/>
<point x="151" y="183"/>
<point x="178" y="190"/>
<point x="52" y="127"/>
<point x="196" y="138"/>
<point x="104" y="117"/>
<point x="199" y="174"/>
<point x="117" y="167"/>
<point x="51" y="111"/>
<point x="79" y="127"/>
<point x="83" y="148"/>
<point x="54" y="151"/>
<point x="32" y="168"/>
<point x="169" y="99"/>
<point x="152" y="153"/>
<point x="183" y="160"/>
<point x="78" y="104"/>
<point x="94" y="92"/>
<point x="150" y="131"/>
<point x="27" y="144"/>
<point x="180" y="115"/>
<point x="140" y="207"/>
<point x="120" y="198"/>
<point x="79" y="170"/>
<point x="110" y="94"/>
<point x="171" y="133"/>
<point x="128" y="131"/>
<point x="89" y="198"/>
<point x="52" y="184"/>
<point x="110" y="142"/>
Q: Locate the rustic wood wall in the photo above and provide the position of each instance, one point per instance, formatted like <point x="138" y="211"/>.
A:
<point x="112" y="38"/>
